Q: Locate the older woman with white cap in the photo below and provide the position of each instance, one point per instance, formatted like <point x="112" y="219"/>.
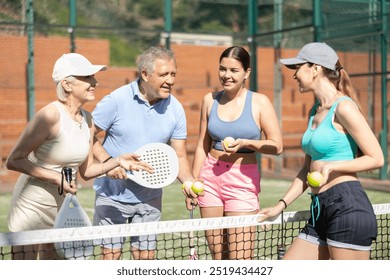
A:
<point x="338" y="143"/>
<point x="59" y="135"/>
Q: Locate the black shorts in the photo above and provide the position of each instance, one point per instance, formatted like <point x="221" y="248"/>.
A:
<point x="343" y="218"/>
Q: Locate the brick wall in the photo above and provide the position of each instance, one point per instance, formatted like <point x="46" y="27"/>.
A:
<point x="197" y="75"/>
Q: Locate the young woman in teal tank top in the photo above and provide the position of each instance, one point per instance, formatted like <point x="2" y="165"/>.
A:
<point x="338" y="143"/>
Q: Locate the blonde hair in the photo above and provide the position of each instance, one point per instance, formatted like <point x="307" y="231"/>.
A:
<point x="62" y="95"/>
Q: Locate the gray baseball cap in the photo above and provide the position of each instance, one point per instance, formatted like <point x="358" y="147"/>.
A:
<point x="317" y="53"/>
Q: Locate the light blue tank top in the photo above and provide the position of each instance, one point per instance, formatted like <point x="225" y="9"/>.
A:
<point x="325" y="142"/>
<point x="244" y="127"/>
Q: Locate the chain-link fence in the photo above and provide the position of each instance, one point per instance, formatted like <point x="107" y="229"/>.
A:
<point x="114" y="32"/>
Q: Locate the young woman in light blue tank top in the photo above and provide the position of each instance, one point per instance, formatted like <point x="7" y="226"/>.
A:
<point x="244" y="127"/>
<point x="231" y="174"/>
<point x="338" y="143"/>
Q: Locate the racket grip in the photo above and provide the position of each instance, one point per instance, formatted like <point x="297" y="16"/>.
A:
<point x="68" y="174"/>
<point x="281" y="251"/>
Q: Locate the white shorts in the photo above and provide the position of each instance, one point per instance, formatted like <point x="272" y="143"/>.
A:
<point x="34" y="205"/>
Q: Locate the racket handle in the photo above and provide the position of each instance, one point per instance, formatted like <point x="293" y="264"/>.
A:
<point x="68" y="174"/>
<point x="281" y="251"/>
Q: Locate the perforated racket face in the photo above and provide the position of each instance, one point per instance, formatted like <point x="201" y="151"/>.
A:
<point x="72" y="215"/>
<point x="75" y="250"/>
<point x="164" y="161"/>
<point x="74" y="222"/>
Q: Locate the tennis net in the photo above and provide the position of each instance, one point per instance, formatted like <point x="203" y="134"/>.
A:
<point x="173" y="242"/>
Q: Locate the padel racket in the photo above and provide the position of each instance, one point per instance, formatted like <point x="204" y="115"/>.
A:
<point x="70" y="215"/>
<point x="193" y="253"/>
<point x="163" y="159"/>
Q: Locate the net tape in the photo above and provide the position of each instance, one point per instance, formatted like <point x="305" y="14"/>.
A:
<point x="173" y="226"/>
<point x="98" y="232"/>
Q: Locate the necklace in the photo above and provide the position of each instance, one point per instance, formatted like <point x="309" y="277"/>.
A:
<point x="80" y="122"/>
<point x="74" y="118"/>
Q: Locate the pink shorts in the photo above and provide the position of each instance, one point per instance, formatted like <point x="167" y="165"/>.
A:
<point x="233" y="186"/>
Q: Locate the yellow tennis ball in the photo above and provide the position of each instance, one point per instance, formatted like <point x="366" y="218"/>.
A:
<point x="314" y="179"/>
<point x="186" y="185"/>
<point x="197" y="187"/>
<point x="228" y="141"/>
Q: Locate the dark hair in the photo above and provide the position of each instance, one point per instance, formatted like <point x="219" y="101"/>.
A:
<point x="238" y="53"/>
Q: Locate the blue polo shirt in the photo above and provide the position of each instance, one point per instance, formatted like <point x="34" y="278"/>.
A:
<point x="130" y="123"/>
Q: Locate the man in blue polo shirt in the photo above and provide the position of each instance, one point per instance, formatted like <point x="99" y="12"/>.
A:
<point x="133" y="115"/>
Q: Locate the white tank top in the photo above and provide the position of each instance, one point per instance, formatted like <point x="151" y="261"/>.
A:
<point x="70" y="148"/>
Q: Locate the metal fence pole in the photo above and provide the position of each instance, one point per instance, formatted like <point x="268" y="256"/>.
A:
<point x="252" y="30"/>
<point x="278" y="25"/>
<point x="252" y="24"/>
<point x="30" y="57"/>
<point x="168" y="22"/>
<point x="72" y="24"/>
<point x="317" y="20"/>
<point x="384" y="132"/>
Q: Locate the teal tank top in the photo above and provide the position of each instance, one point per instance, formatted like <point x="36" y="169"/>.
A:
<point x="244" y="127"/>
<point x="325" y="142"/>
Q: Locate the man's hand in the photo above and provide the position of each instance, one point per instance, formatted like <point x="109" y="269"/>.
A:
<point x="117" y="173"/>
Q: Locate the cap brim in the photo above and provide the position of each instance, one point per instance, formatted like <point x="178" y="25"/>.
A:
<point x="91" y="71"/>
<point x="99" y="68"/>
<point x="292" y="62"/>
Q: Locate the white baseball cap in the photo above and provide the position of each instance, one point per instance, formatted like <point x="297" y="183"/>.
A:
<point x="317" y="53"/>
<point x="74" y="64"/>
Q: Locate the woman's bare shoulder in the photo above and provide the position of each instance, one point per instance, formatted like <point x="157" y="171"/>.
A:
<point x="49" y="113"/>
<point x="261" y="98"/>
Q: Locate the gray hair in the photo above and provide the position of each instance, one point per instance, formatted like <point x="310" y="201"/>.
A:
<point x="62" y="95"/>
<point x="147" y="59"/>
